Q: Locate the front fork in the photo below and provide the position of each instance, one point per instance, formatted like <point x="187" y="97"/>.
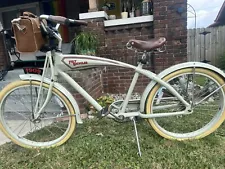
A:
<point x="36" y="111"/>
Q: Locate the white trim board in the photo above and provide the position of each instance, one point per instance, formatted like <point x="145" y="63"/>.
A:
<point x="93" y="15"/>
<point x="127" y="21"/>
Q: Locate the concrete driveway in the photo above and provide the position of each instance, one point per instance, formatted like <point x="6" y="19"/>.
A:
<point x="10" y="77"/>
<point x="3" y="138"/>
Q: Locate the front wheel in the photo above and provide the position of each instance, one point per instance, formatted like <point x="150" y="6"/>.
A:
<point x="202" y="89"/>
<point x="53" y="127"/>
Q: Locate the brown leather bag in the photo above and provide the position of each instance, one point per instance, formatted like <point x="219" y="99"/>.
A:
<point x="27" y="33"/>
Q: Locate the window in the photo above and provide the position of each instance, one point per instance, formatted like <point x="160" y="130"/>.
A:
<point x="1" y="26"/>
<point x="9" y="13"/>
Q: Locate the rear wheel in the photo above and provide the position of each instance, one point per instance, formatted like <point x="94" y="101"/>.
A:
<point x="55" y="124"/>
<point x="199" y="87"/>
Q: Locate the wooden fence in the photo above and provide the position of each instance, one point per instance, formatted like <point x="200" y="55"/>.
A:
<point x="211" y="49"/>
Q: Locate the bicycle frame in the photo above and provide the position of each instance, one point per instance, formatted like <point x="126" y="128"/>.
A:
<point x="64" y="63"/>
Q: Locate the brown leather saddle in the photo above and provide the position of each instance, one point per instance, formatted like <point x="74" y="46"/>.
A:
<point x="148" y="45"/>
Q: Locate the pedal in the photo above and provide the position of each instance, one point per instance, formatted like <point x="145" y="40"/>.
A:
<point x="103" y="113"/>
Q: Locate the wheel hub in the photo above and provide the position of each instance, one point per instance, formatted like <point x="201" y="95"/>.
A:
<point x="37" y="121"/>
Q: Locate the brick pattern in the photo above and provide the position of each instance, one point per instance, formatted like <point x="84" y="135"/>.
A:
<point x="96" y="26"/>
<point x="116" y="39"/>
<point x="91" y="80"/>
<point x="172" y="25"/>
<point x="167" y="23"/>
<point x="113" y="46"/>
<point x="3" y="61"/>
<point x="112" y="41"/>
<point x="117" y="80"/>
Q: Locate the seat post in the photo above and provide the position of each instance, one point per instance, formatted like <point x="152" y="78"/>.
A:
<point x="143" y="60"/>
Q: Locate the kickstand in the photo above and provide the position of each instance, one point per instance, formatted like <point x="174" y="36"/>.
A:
<point x="136" y="134"/>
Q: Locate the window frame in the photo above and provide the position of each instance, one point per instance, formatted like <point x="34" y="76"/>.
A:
<point x="19" y="7"/>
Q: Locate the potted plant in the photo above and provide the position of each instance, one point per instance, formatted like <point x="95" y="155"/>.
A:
<point x="137" y="11"/>
<point x="106" y="6"/>
<point x="85" y="43"/>
<point x="138" y="8"/>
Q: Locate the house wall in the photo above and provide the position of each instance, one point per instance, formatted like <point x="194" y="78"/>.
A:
<point x="3" y="60"/>
<point x="90" y="80"/>
<point x="117" y="80"/>
<point x="172" y="25"/>
<point x="167" y="23"/>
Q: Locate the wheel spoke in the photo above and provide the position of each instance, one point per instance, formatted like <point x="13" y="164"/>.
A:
<point x="24" y="123"/>
<point x="43" y="132"/>
<point x="202" y="89"/>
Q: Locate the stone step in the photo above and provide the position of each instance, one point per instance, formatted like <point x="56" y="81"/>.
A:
<point x="11" y="76"/>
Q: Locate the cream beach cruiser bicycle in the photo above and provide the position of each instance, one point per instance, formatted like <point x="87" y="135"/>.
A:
<point x="183" y="102"/>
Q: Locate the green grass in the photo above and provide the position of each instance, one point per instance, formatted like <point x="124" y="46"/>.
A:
<point x="106" y="144"/>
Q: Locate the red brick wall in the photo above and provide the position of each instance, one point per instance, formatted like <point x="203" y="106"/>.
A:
<point x="91" y="81"/>
<point x="117" y="80"/>
<point x="113" y="46"/>
<point x="3" y="61"/>
<point x="172" y="25"/>
<point x="167" y="23"/>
